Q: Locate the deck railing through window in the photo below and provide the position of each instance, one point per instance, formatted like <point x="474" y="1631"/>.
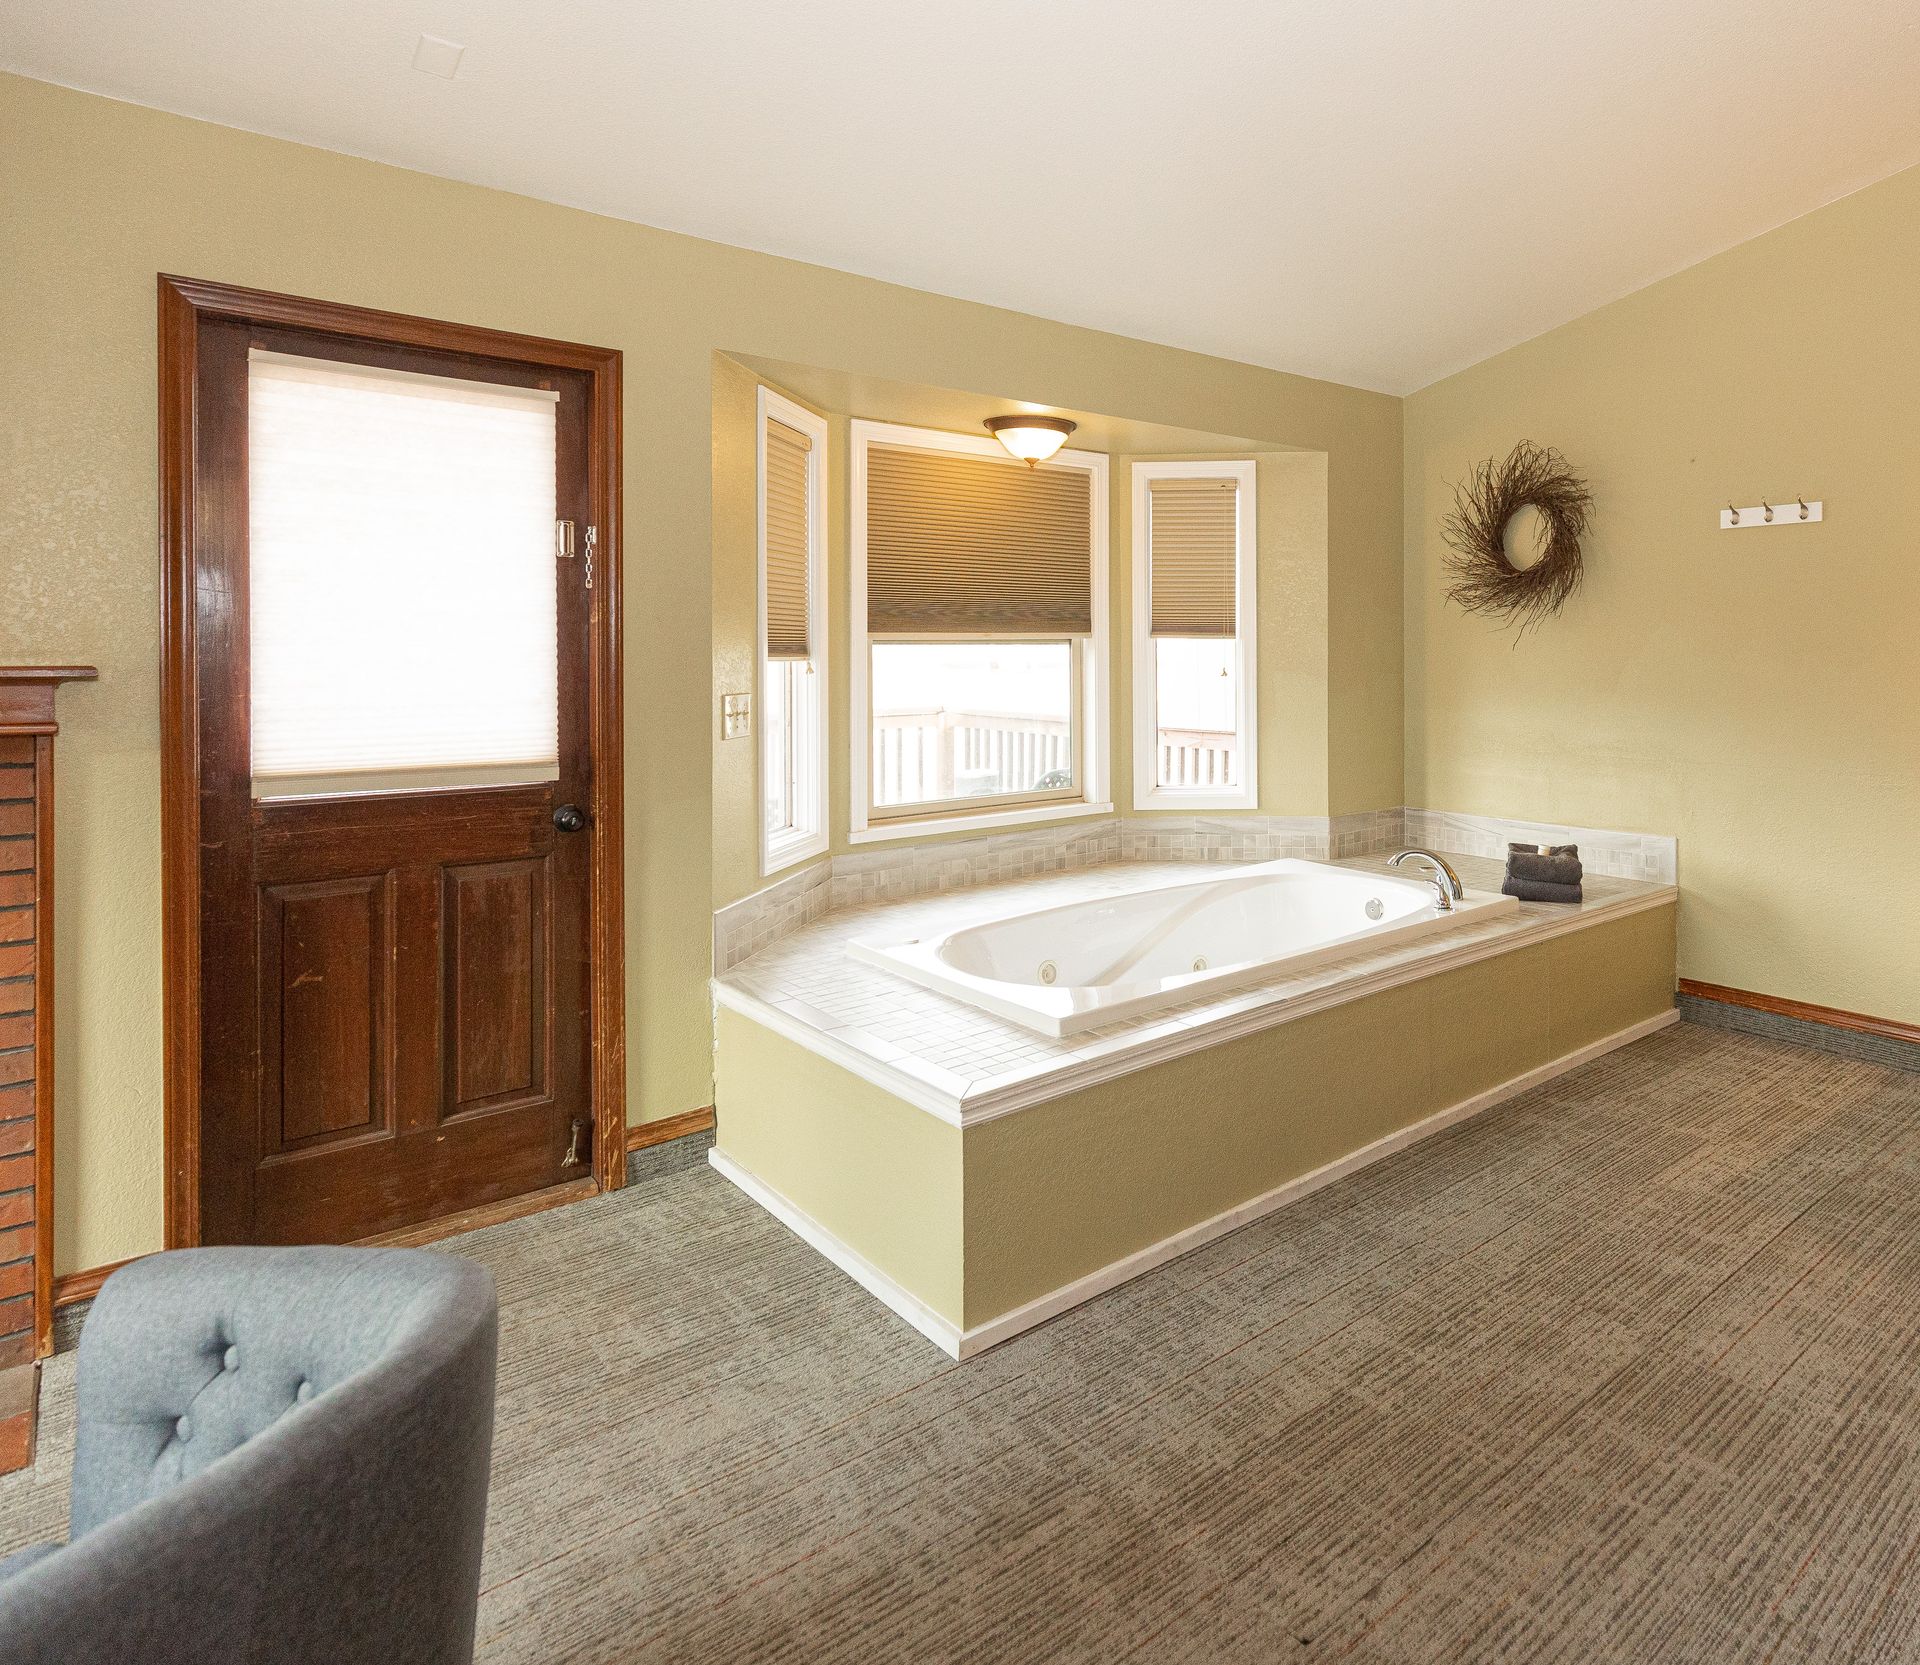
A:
<point x="1197" y="757"/>
<point x="932" y="755"/>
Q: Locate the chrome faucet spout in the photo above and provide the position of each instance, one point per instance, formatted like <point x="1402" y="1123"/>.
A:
<point x="1447" y="888"/>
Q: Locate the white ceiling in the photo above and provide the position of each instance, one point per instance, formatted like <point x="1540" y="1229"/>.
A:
<point x="1377" y="191"/>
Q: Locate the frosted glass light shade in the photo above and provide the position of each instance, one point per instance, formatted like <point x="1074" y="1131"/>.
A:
<point x="1032" y="439"/>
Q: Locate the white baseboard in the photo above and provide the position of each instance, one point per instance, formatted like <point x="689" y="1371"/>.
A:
<point x="941" y="1332"/>
<point x="964" y="1344"/>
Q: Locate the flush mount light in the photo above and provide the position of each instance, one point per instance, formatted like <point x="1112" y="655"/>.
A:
<point x="1032" y="439"/>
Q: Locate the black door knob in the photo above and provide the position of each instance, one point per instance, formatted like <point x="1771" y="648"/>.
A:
<point x="569" y="818"/>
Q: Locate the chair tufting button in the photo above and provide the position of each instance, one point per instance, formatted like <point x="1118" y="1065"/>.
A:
<point x="183" y="1429"/>
<point x="231" y="1359"/>
<point x="303" y="1393"/>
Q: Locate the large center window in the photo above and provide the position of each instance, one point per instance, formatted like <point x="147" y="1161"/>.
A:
<point x="979" y="603"/>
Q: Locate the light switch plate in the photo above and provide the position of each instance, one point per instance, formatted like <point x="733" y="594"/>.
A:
<point x="736" y="716"/>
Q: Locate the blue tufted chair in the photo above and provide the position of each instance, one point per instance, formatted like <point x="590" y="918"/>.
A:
<point x="280" y="1457"/>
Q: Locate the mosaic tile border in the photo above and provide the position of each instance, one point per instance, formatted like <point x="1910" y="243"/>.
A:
<point x="893" y="875"/>
<point x="743" y="928"/>
<point x="1259" y="837"/>
<point x="1618" y="855"/>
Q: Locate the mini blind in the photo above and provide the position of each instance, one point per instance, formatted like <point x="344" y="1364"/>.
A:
<point x="401" y="574"/>
<point x="789" y="543"/>
<point x="1192" y="566"/>
<point x="967" y="545"/>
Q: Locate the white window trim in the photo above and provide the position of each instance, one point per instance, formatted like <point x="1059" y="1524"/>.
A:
<point x="1147" y="792"/>
<point x="1095" y="680"/>
<point x="808" y="834"/>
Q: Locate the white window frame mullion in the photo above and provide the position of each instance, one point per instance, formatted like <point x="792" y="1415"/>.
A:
<point x="807" y="711"/>
<point x="1147" y="791"/>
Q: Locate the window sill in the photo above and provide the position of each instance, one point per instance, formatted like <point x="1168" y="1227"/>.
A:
<point x="1174" y="803"/>
<point x="776" y="855"/>
<point x="894" y="831"/>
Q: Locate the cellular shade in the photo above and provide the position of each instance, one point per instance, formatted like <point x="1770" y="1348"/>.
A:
<point x="401" y="573"/>
<point x="1192" y="566"/>
<point x="789" y="540"/>
<point x="976" y="546"/>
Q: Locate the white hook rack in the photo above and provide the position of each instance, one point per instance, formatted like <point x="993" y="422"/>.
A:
<point x="1796" y="511"/>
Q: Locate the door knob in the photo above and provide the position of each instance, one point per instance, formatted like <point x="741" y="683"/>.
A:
<point x="569" y="818"/>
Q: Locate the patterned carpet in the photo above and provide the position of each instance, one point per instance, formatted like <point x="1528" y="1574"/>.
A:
<point x="1624" y="1369"/>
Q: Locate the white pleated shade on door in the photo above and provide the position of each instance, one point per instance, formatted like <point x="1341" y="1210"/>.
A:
<point x="401" y="577"/>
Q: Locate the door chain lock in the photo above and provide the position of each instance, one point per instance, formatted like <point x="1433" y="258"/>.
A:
<point x="563" y="545"/>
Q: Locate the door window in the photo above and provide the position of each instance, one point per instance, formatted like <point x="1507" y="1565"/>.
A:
<point x="401" y="592"/>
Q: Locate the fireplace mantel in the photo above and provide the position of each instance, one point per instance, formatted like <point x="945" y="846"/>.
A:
<point x="27" y="728"/>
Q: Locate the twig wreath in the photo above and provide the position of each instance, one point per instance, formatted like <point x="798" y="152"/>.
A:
<point x="1484" y="580"/>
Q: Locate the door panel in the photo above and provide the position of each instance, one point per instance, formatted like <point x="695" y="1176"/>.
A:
<point x="326" y="1022"/>
<point x="497" y="949"/>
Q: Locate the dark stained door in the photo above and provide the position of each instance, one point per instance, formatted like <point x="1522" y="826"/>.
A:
<point x="394" y="948"/>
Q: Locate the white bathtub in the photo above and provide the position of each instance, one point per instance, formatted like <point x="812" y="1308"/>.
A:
<point x="1064" y="969"/>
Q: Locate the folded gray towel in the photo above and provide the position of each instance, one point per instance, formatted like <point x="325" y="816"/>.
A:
<point x="1533" y="890"/>
<point x="1543" y="849"/>
<point x="1539" y="869"/>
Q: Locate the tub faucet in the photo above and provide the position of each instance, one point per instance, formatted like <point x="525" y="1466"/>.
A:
<point x="1446" y="883"/>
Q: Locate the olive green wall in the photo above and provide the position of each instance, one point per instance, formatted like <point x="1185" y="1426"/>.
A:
<point x="99" y="196"/>
<point x="1755" y="693"/>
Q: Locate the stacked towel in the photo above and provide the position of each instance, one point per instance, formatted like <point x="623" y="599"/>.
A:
<point x="1543" y="872"/>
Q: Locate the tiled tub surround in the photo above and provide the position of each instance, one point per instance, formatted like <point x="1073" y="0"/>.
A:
<point x="899" y="873"/>
<point x="979" y="1177"/>
<point x="1617" y="855"/>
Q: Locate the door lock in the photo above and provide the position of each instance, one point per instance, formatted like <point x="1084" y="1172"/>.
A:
<point x="569" y="818"/>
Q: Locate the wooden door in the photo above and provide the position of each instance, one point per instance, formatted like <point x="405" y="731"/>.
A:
<point x="396" y="964"/>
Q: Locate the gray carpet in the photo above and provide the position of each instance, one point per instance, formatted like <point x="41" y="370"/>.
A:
<point x="1622" y="1370"/>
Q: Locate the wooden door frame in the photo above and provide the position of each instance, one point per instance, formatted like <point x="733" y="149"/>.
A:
<point x="186" y="304"/>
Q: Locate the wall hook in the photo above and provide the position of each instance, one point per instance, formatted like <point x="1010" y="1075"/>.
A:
<point x="1760" y="514"/>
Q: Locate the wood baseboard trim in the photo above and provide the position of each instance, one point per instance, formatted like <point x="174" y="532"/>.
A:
<point x="645" y="1135"/>
<point x="70" y="1287"/>
<point x="1859" y="1022"/>
<point x="74" y="1287"/>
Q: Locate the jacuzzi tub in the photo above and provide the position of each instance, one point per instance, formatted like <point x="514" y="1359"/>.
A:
<point x="1064" y="969"/>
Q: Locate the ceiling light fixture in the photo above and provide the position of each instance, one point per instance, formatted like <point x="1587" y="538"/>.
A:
<point x="1032" y="439"/>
